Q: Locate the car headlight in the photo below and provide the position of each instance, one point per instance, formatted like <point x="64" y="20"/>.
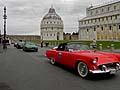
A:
<point x="118" y="66"/>
<point x="95" y="61"/>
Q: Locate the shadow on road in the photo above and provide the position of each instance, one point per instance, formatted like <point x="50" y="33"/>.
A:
<point x="91" y="77"/>
<point x="98" y="77"/>
<point x="4" y="86"/>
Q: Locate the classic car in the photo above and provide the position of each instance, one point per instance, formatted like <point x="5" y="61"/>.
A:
<point x="20" y="44"/>
<point x="85" y="61"/>
<point x="29" y="46"/>
<point x="15" y="44"/>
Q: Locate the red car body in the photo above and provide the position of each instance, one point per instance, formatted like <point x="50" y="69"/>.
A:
<point x="96" y="61"/>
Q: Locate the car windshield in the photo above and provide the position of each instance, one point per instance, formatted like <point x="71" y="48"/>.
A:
<point x="82" y="47"/>
<point x="78" y="47"/>
<point x="30" y="43"/>
<point x="21" y="42"/>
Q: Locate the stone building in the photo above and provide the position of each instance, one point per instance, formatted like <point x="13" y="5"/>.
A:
<point x="52" y="26"/>
<point x="69" y="36"/>
<point x="102" y="22"/>
<point x="24" y="37"/>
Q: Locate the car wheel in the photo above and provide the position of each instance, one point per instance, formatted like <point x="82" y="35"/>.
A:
<point x="52" y="61"/>
<point x="82" y="69"/>
<point x="36" y="50"/>
<point x="24" y="49"/>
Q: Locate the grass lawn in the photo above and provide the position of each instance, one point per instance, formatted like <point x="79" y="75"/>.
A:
<point x="105" y="44"/>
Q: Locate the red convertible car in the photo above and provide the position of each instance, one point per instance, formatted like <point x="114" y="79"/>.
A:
<point x="84" y="60"/>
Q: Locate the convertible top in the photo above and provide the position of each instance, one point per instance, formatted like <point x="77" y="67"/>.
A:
<point x="75" y="43"/>
<point x="71" y="43"/>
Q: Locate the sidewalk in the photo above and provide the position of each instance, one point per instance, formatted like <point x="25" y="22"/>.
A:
<point x="115" y="51"/>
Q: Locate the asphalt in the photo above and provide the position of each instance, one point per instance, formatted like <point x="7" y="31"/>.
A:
<point x="21" y="70"/>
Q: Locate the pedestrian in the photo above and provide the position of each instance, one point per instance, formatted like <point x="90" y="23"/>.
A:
<point x="4" y="44"/>
<point x="94" y="44"/>
<point x="46" y="44"/>
<point x="41" y="44"/>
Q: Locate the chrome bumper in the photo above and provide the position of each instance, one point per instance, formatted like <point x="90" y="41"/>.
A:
<point x="111" y="71"/>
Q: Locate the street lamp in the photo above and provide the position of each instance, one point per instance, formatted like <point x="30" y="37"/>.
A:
<point x="4" y="17"/>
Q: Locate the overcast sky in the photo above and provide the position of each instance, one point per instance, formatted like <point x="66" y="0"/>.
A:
<point x="24" y="16"/>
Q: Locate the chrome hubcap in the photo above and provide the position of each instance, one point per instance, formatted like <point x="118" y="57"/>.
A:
<point x="52" y="61"/>
<point x="82" y="69"/>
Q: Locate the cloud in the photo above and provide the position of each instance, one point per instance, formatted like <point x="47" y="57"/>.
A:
<point x="24" y="16"/>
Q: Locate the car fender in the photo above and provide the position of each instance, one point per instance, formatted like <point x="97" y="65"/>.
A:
<point x="86" y="60"/>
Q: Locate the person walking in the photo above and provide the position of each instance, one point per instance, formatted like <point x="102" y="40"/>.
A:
<point x="41" y="44"/>
<point x="94" y="44"/>
<point x="4" y="44"/>
<point x="46" y="44"/>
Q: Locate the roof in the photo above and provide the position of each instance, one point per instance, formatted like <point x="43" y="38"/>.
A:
<point x="105" y="4"/>
<point x="102" y="15"/>
<point x="52" y="15"/>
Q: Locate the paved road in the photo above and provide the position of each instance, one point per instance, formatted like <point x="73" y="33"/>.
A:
<point x="31" y="71"/>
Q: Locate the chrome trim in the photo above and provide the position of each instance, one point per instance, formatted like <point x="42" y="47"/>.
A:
<point x="104" y="68"/>
<point x="118" y="65"/>
<point x="106" y="71"/>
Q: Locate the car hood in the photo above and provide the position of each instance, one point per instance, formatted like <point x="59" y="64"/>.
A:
<point x="21" y="44"/>
<point x="103" y="57"/>
<point x="31" y="46"/>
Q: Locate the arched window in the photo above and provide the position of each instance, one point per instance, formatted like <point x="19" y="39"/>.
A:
<point x="108" y="8"/>
<point x="52" y="28"/>
<point x="115" y="16"/>
<point x="96" y="11"/>
<point x="102" y="10"/>
<point x="114" y="7"/>
<point x="94" y="29"/>
<point x="106" y="18"/>
<point x="102" y="28"/>
<point x="111" y="17"/>
<point x="102" y="19"/>
<point x="87" y="30"/>
<point x="58" y="34"/>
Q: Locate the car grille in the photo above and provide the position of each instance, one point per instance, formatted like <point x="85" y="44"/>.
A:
<point x="109" y="66"/>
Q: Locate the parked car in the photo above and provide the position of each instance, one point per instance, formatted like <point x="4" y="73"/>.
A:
<point x="15" y="44"/>
<point x="84" y="60"/>
<point x="20" y="44"/>
<point x="7" y="42"/>
<point x="29" y="46"/>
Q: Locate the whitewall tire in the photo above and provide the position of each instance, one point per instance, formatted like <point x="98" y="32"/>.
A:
<point x="52" y="61"/>
<point x="82" y="69"/>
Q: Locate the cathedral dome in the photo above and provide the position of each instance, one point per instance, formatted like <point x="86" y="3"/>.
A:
<point x="52" y="19"/>
<point x="51" y="26"/>
<point x="52" y="15"/>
